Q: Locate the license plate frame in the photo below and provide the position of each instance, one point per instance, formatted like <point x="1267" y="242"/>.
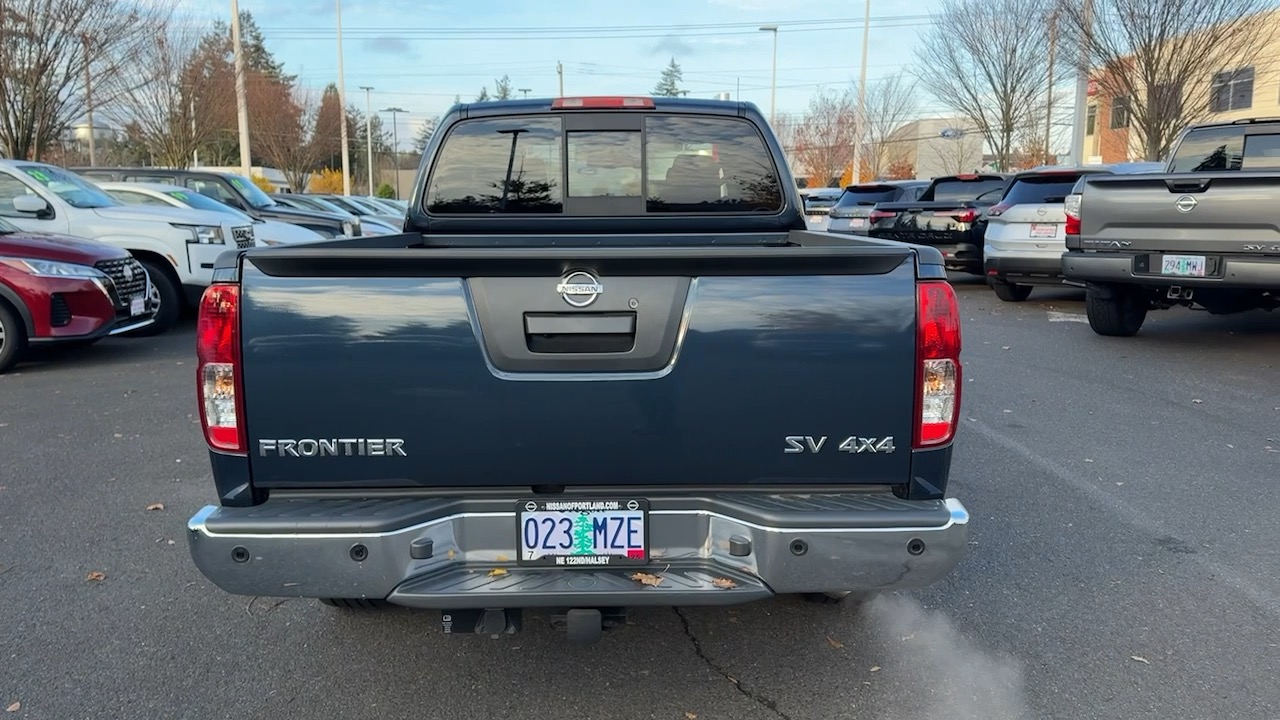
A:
<point x="858" y="223"/>
<point x="137" y="306"/>
<point x="1193" y="266"/>
<point x="1047" y="231"/>
<point x="559" y="509"/>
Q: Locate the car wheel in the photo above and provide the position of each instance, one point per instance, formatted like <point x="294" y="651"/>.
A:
<point x="1115" y="311"/>
<point x="165" y="292"/>
<point x="13" y="338"/>
<point x="1009" y="292"/>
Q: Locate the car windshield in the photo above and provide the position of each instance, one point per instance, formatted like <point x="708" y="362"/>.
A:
<point x="6" y="228"/>
<point x="73" y="189"/>
<point x="1035" y="189"/>
<point x="323" y="205"/>
<point x="252" y="193"/>
<point x="198" y="201"/>
<point x="963" y="189"/>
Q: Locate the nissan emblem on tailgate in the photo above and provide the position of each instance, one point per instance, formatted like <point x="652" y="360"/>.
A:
<point x="579" y="288"/>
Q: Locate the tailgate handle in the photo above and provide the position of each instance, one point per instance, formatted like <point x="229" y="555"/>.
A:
<point x="580" y="332"/>
<point x="1188" y="186"/>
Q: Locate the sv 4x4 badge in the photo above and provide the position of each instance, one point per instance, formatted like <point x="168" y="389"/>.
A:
<point x="852" y="444"/>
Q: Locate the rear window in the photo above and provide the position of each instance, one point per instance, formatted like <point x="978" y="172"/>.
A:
<point x="1043" y="189"/>
<point x="867" y="196"/>
<point x="1209" y="150"/>
<point x="1261" y="152"/>
<point x="819" y="202"/>
<point x="667" y="164"/>
<point x="957" y="190"/>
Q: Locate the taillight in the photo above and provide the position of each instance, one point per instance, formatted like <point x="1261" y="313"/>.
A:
<point x="218" y="383"/>
<point x="998" y="210"/>
<point x="1071" y="205"/>
<point x="938" y="372"/>
<point x="602" y="101"/>
<point x="881" y="215"/>
<point x="963" y="216"/>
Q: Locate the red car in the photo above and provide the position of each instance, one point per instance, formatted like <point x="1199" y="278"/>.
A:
<point x="58" y="289"/>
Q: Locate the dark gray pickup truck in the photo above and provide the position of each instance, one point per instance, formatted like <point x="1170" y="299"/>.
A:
<point x="1205" y="233"/>
<point x="608" y="368"/>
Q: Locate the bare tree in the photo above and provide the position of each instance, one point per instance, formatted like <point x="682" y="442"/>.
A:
<point x="283" y="124"/>
<point x="997" y="78"/>
<point x="890" y="103"/>
<point x="1170" y="63"/>
<point x="46" y="46"/>
<point x="175" y="110"/>
<point x="953" y="155"/>
<point x="825" y="136"/>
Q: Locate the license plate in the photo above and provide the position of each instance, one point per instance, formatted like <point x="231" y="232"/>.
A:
<point x="583" y="533"/>
<point x="1042" y="230"/>
<point x="857" y="222"/>
<point x="138" y="306"/>
<point x="815" y="218"/>
<point x="1183" y="265"/>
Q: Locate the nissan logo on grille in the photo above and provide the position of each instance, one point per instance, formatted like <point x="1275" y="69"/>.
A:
<point x="580" y="288"/>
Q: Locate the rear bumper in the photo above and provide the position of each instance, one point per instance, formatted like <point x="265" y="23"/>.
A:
<point x="1251" y="273"/>
<point x="957" y="253"/>
<point x="1023" y="269"/>
<point x="764" y="544"/>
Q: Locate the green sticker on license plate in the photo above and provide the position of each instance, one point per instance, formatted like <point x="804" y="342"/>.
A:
<point x="582" y="533"/>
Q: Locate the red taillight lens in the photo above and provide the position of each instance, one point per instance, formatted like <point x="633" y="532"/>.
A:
<point x="1071" y="206"/>
<point x="602" y="101"/>
<point x="881" y="215"/>
<point x="998" y="210"/>
<point x="218" y="384"/>
<point x="938" y="372"/>
<point x="964" y="216"/>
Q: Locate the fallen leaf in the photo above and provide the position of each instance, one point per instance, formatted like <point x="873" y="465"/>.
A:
<point x="1140" y="659"/>
<point x="875" y="668"/>
<point x="155" y="506"/>
<point x="450" y="554"/>
<point x="14" y="707"/>
<point x="497" y="572"/>
<point x="169" y="542"/>
<point x="1088" y="460"/>
<point x="834" y="642"/>
<point x="1006" y="347"/>
<point x="647" y="579"/>
<point x="1198" y="401"/>
<point x="503" y="558"/>
<point x="724" y="583"/>
<point x="95" y="576"/>
<point x="691" y="715"/>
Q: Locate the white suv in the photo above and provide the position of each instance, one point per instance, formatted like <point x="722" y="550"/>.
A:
<point x="177" y="247"/>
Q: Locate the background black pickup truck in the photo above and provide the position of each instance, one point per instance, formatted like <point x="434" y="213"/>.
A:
<point x="610" y="368"/>
<point x="1203" y="234"/>
<point x="949" y="215"/>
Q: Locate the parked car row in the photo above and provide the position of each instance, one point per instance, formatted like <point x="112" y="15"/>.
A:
<point x="86" y="253"/>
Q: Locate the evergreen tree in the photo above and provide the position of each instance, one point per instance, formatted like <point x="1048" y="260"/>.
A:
<point x="484" y="95"/>
<point x="502" y="88"/>
<point x="669" y="84"/>
<point x="423" y="136"/>
<point x="327" y="138"/>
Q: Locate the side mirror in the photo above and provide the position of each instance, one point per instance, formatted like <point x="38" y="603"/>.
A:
<point x="33" y="204"/>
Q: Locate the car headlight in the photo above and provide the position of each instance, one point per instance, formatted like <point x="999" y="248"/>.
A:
<point x="50" y="268"/>
<point x="203" y="234"/>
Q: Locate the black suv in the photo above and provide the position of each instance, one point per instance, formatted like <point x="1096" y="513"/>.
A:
<point x="235" y="190"/>
<point x="850" y="213"/>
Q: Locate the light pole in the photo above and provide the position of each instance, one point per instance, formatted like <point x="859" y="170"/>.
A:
<point x="1082" y="87"/>
<point x="342" y="102"/>
<point x="368" y="134"/>
<point x="855" y="173"/>
<point x="395" y="144"/>
<point x="242" y="103"/>
<point x="773" y="91"/>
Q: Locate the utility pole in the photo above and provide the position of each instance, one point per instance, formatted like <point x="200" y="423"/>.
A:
<point x="1082" y="86"/>
<point x="368" y="133"/>
<point x="773" y="88"/>
<point x="88" y="97"/>
<point x="395" y="143"/>
<point x="526" y="91"/>
<point x="860" y="128"/>
<point x="195" y="149"/>
<point x="242" y="100"/>
<point x="342" y="101"/>
<point x="1048" y="105"/>
<point x="560" y="72"/>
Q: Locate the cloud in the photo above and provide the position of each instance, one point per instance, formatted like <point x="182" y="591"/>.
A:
<point x="673" y="45"/>
<point x="385" y="45"/>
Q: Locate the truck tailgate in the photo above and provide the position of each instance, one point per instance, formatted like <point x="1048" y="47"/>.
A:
<point x="1229" y="212"/>
<point x="477" y="367"/>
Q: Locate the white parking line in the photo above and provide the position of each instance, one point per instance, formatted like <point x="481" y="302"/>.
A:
<point x="1066" y="317"/>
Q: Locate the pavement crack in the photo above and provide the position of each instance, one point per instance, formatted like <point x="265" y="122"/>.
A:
<point x="702" y="654"/>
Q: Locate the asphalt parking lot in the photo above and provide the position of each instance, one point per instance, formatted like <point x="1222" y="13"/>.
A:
<point x="1124" y="555"/>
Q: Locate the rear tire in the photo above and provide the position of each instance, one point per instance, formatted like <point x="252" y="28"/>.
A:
<point x="1009" y="292"/>
<point x="168" y="293"/>
<point x="355" y="603"/>
<point x="13" y="338"/>
<point x="1115" y="310"/>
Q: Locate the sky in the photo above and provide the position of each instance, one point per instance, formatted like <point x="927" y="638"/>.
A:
<point x="418" y="55"/>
